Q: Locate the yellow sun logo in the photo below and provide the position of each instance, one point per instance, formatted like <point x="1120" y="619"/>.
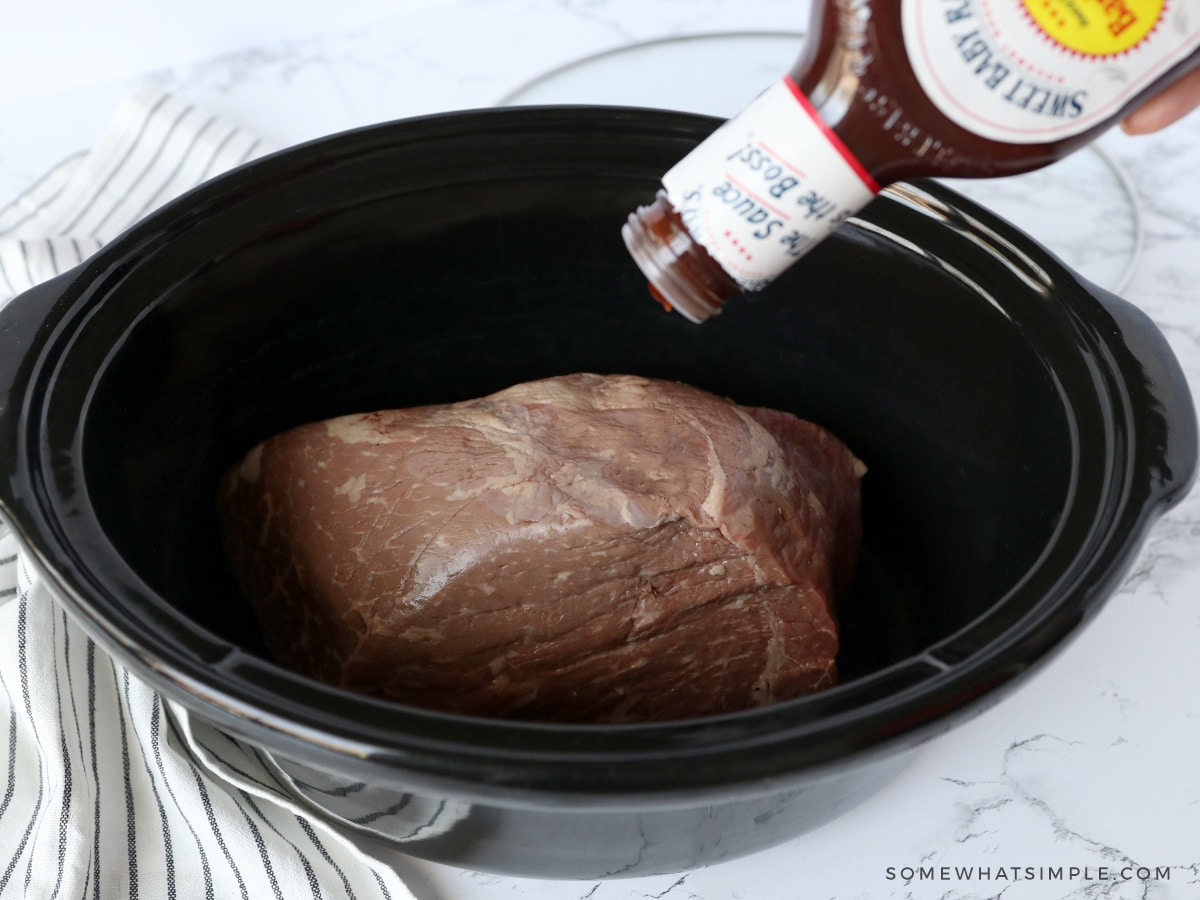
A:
<point x="1096" y="27"/>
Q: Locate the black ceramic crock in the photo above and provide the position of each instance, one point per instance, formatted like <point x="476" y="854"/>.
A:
<point x="1022" y="430"/>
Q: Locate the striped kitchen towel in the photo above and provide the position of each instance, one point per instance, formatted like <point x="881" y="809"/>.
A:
<point x="156" y="148"/>
<point x="106" y="790"/>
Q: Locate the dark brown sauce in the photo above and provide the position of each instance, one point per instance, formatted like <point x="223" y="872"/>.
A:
<point x="861" y="84"/>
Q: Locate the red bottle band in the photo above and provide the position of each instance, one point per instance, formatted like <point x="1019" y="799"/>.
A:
<point x="767" y="186"/>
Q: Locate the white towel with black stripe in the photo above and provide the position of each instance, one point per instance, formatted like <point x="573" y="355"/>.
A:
<point x="106" y="790"/>
<point x="157" y="148"/>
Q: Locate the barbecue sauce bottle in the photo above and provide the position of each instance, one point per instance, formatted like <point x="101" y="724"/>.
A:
<point x="894" y="89"/>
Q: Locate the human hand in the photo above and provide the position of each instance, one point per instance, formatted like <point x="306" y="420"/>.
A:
<point x="1168" y="106"/>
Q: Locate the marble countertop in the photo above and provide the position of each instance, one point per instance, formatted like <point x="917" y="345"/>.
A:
<point x="1090" y="766"/>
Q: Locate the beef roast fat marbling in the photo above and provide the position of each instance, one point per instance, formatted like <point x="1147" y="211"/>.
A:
<point x="581" y="548"/>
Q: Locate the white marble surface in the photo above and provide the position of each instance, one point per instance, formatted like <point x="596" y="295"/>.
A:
<point x="1092" y="764"/>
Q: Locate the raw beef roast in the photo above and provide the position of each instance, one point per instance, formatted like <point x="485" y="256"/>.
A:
<point x="583" y="548"/>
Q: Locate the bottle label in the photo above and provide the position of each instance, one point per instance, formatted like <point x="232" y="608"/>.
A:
<point x="767" y="186"/>
<point x="1035" y="71"/>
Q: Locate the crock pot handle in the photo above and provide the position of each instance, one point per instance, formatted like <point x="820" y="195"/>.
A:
<point x="1168" y="420"/>
<point x="25" y="323"/>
